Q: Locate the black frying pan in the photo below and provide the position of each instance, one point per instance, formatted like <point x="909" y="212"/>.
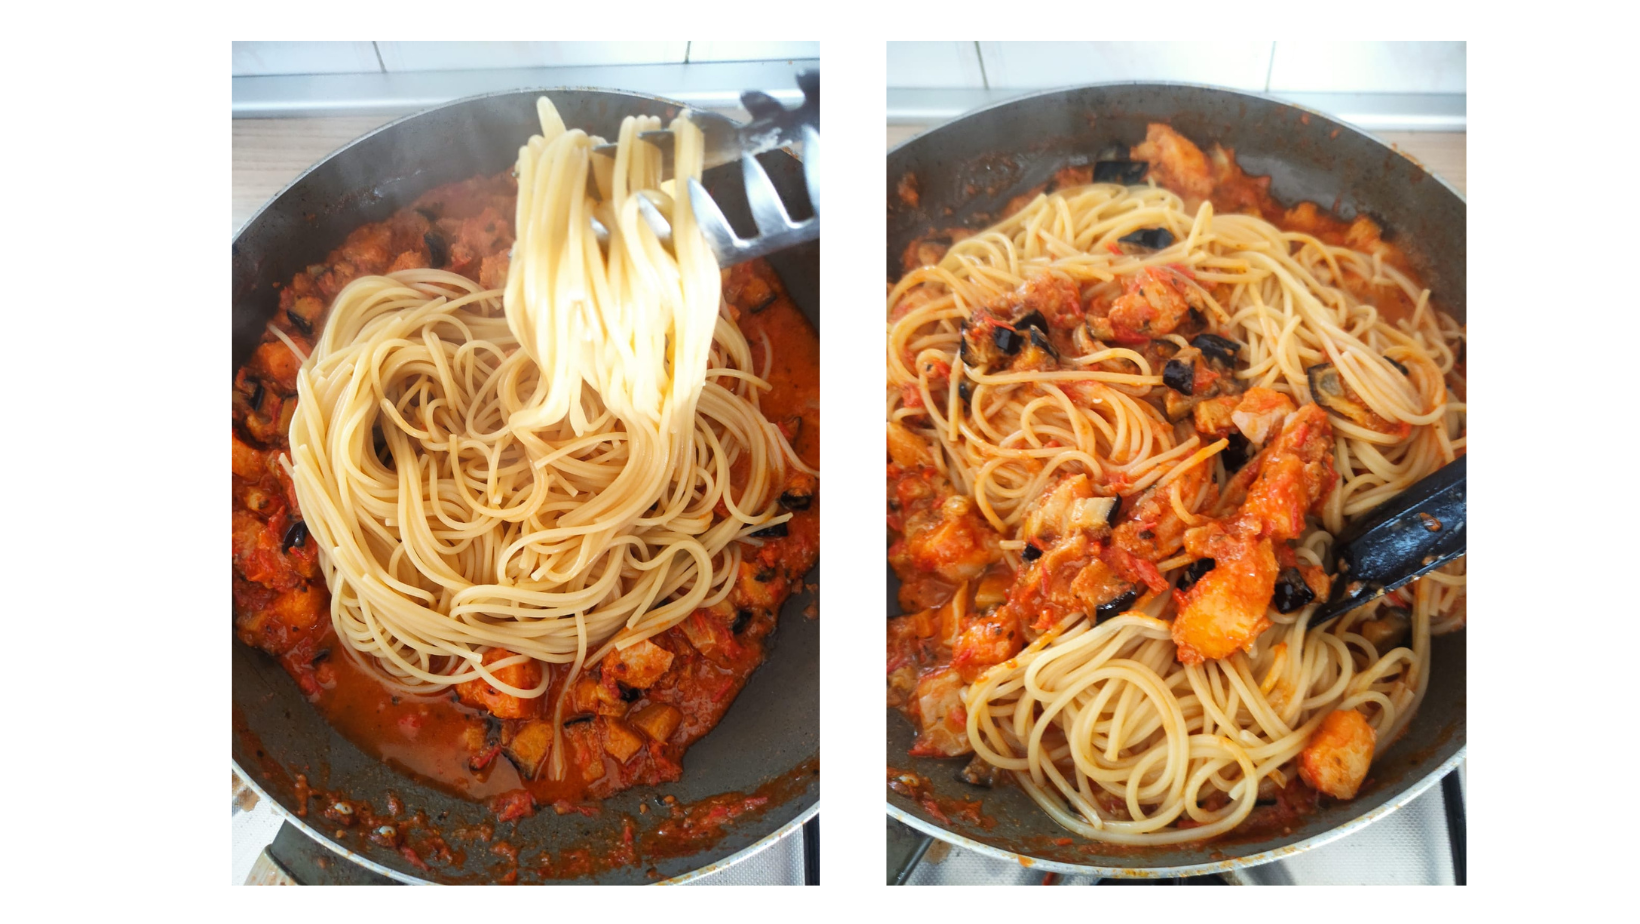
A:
<point x="966" y="171"/>
<point x="771" y="731"/>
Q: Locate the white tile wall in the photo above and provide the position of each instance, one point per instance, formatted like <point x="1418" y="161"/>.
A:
<point x="460" y="56"/>
<point x="1369" y="67"/>
<point x="1024" y="65"/>
<point x="751" y="51"/>
<point x="1280" y="67"/>
<point x="934" y="64"/>
<point x="261" y="58"/>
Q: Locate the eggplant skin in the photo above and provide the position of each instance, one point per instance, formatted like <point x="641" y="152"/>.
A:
<point x="1008" y="341"/>
<point x="438" y="253"/>
<point x="1180" y="375"/>
<point x="1116" y="607"/>
<point x="1219" y="349"/>
<point x="1330" y="391"/>
<point x="1149" y="238"/>
<point x="1292" y="592"/>
<point x="1125" y="172"/>
<point x="1194" y="572"/>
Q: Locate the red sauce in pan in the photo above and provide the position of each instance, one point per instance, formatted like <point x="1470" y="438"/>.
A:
<point x="281" y="605"/>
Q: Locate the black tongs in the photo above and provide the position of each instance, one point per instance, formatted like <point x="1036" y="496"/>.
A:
<point x="1412" y="534"/>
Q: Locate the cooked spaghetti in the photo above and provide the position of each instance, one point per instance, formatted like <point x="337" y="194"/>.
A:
<point x="1124" y="425"/>
<point x="541" y="473"/>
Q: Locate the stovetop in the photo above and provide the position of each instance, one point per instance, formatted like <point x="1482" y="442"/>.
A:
<point x="1411" y="846"/>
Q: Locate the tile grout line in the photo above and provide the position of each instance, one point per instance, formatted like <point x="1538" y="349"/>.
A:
<point x="377" y="48"/>
<point x="979" y="55"/>
<point x="1270" y="69"/>
<point x="687" y="48"/>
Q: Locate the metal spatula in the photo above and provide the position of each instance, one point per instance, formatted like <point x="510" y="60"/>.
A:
<point x="772" y="126"/>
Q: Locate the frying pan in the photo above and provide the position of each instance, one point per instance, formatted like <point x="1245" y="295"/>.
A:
<point x="966" y="171"/>
<point x="769" y="736"/>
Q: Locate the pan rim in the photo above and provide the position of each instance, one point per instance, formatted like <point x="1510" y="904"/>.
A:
<point x="806" y="811"/>
<point x="1406" y="795"/>
<point x="1184" y="84"/>
<point x="745" y="853"/>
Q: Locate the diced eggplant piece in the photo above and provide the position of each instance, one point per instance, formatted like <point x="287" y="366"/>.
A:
<point x="1180" y="375"/>
<point x="1030" y="552"/>
<point x="1068" y="507"/>
<point x="1008" y="341"/>
<point x="529" y="747"/>
<point x="799" y="491"/>
<point x="589" y="696"/>
<point x="295" y="537"/>
<point x="1330" y="391"/>
<point x="657" y="720"/>
<point x="1291" y="591"/>
<point x="1116" y="607"/>
<point x="776" y="531"/>
<point x="1149" y="238"/>
<point x="1125" y="172"/>
<point x="1387" y="629"/>
<point x="1177" y="407"/>
<point x="1216" y="348"/>
<point x="488" y="741"/>
<point x="304" y="314"/>
<point x="979" y="342"/>
<point x="257" y="394"/>
<point x="1404" y="370"/>
<point x="1039" y="339"/>
<point x="742" y="619"/>
<point x="1215" y="417"/>
<point x="965" y="392"/>
<point x="1115" y="512"/>
<point x="620" y="740"/>
<point x="978" y="773"/>
<point x="1193" y="572"/>
<point x="438" y="252"/>
<point x="1101" y="329"/>
<point x="1032" y="320"/>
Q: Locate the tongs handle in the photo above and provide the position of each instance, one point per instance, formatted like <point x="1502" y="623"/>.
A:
<point x="772" y="126"/>
<point x="1413" y="533"/>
